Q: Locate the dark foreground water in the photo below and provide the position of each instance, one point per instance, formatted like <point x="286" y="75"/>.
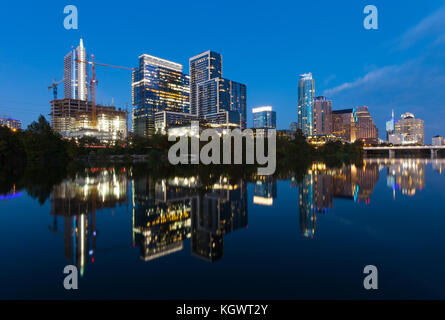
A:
<point x="135" y="236"/>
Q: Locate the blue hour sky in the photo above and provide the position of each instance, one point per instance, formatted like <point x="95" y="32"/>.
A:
<point x="264" y="44"/>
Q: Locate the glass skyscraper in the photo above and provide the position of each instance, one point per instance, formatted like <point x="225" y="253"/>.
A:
<point x="75" y="74"/>
<point x="213" y="98"/>
<point x="203" y="67"/>
<point x="306" y="92"/>
<point x="264" y="117"/>
<point x="157" y="85"/>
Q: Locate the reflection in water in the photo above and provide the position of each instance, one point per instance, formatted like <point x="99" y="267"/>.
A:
<point x="407" y="175"/>
<point x="166" y="212"/>
<point x="320" y="185"/>
<point x="265" y="190"/>
<point x="76" y="200"/>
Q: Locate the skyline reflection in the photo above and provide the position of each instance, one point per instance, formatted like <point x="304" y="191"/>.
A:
<point x="167" y="212"/>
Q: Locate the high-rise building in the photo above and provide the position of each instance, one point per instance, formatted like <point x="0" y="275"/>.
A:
<point x="344" y="124"/>
<point x="306" y="92"/>
<point x="367" y="131"/>
<point x="157" y="85"/>
<point x="12" y="124"/>
<point x="212" y="98"/>
<point x="75" y="74"/>
<point x="408" y="130"/>
<point x="390" y="126"/>
<point x="264" y="118"/>
<point x="322" y="116"/>
<point x="203" y="67"/>
<point x="354" y="124"/>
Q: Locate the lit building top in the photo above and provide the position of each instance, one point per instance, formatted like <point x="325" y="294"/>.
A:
<point x="261" y="109"/>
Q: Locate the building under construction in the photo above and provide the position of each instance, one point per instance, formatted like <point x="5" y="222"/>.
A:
<point x="73" y="118"/>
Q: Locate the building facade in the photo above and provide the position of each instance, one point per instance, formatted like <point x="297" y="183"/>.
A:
<point x="438" y="141"/>
<point x="322" y="116"/>
<point x="213" y="97"/>
<point x="306" y="93"/>
<point x="367" y="131"/>
<point x="75" y="82"/>
<point x="264" y="118"/>
<point x="344" y="124"/>
<point x="411" y="129"/>
<point x="203" y="67"/>
<point x="72" y="118"/>
<point x="157" y="85"/>
<point x="12" y="124"/>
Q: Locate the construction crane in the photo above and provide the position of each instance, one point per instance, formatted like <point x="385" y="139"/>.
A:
<point x="54" y="86"/>
<point x="93" y="83"/>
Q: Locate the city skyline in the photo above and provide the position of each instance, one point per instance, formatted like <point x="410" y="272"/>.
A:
<point x="347" y="81"/>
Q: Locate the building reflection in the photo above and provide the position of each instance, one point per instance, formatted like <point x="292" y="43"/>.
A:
<point x="406" y="175"/>
<point x="166" y="212"/>
<point x="321" y="185"/>
<point x="265" y="190"/>
<point x="76" y="201"/>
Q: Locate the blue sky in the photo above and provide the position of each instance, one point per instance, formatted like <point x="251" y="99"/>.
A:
<point x="265" y="44"/>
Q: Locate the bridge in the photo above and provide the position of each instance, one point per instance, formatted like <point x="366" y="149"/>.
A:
<point x="392" y="150"/>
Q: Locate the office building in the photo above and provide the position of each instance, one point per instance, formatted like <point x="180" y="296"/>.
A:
<point x="73" y="119"/>
<point x="213" y="98"/>
<point x="367" y="131"/>
<point x="344" y="124"/>
<point x="12" y="124"/>
<point x="264" y="118"/>
<point x="438" y="141"/>
<point x="157" y="85"/>
<point x="306" y="92"/>
<point x="203" y="67"/>
<point x="75" y="74"/>
<point x="322" y="116"/>
<point x="390" y="126"/>
<point x="408" y="130"/>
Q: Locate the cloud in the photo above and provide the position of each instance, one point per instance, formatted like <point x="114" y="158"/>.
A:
<point x="370" y="77"/>
<point x="432" y="25"/>
<point x="416" y="85"/>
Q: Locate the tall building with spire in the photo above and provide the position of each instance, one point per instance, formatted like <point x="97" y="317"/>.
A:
<point x="75" y="74"/>
<point x="390" y="126"/>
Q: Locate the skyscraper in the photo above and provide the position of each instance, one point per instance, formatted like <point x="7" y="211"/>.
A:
<point x="366" y="129"/>
<point x="408" y="130"/>
<point x="157" y="85"/>
<point x="390" y="126"/>
<point x="203" y="67"/>
<point x="344" y="124"/>
<point x="322" y="116"/>
<point x="264" y="117"/>
<point x="306" y="92"/>
<point x="75" y="74"/>
<point x="215" y="99"/>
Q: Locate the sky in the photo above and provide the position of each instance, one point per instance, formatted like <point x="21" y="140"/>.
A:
<point x="265" y="45"/>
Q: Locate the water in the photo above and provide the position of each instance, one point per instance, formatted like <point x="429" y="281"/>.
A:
<point x="307" y="235"/>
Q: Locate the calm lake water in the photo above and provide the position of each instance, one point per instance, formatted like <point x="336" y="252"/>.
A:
<point x="132" y="235"/>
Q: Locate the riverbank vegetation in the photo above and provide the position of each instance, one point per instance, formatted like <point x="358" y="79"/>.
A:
<point x="39" y="144"/>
